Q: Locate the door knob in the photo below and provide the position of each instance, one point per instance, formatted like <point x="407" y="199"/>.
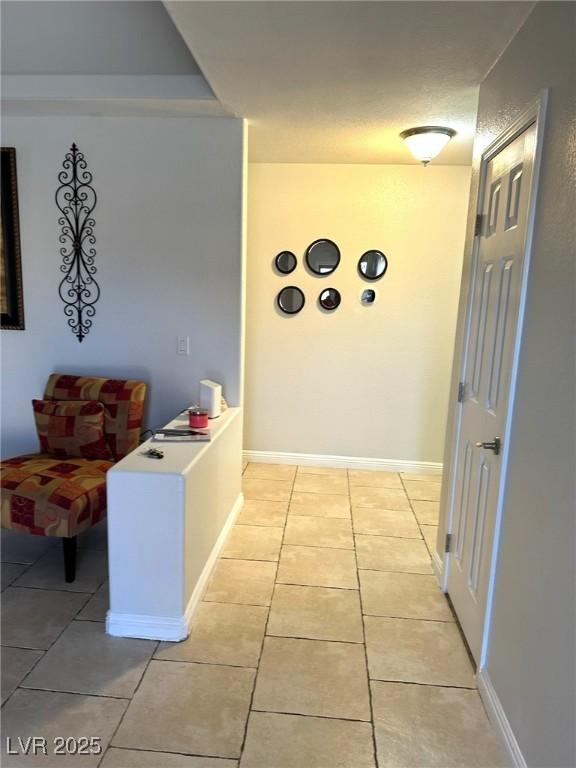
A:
<point x="493" y="445"/>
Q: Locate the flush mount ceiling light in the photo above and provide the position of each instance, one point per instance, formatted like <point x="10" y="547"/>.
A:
<point x="427" y="141"/>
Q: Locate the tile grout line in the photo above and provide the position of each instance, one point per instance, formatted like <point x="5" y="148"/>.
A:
<point x="357" y="571"/>
<point x="264" y="634"/>
<point x="3" y="645"/>
<point x="370" y="702"/>
<point x="453" y="612"/>
<point x="319" y="586"/>
<point x="425" y="685"/>
<point x="171" y="752"/>
<point x="121" y="720"/>
<point x="203" y="663"/>
<point x="251" y="708"/>
<point x="418" y="523"/>
<point x="415" y="518"/>
<point x="406" y="618"/>
<point x="76" y="693"/>
<point x="387" y="535"/>
<point x="18" y="687"/>
<point x="316" y="639"/>
<point x="446" y="595"/>
<point x="308" y="546"/>
<point x="225" y="602"/>
<point x="317" y="717"/>
<point x="136" y="689"/>
<point x="412" y="573"/>
<point x="26" y="568"/>
<point x="407" y="682"/>
<point x="55" y="589"/>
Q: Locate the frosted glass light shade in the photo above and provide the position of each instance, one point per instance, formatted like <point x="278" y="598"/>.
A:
<point x="427" y="142"/>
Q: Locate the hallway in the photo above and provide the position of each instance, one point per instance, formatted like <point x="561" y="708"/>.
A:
<point x="323" y="640"/>
<point x="353" y="592"/>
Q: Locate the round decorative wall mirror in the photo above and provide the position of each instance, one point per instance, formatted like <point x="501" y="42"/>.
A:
<point x="329" y="299"/>
<point x="368" y="296"/>
<point x="290" y="300"/>
<point x="285" y="262"/>
<point x="372" y="265"/>
<point x="322" y="257"/>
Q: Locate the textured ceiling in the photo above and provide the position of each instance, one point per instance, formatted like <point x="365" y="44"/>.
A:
<point x="336" y="82"/>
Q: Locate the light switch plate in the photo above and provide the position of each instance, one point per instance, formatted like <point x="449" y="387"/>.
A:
<point x="183" y="345"/>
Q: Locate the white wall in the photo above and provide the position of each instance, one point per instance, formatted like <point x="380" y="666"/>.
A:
<point x="531" y="660"/>
<point x="364" y="381"/>
<point x="169" y="258"/>
<point x="122" y="37"/>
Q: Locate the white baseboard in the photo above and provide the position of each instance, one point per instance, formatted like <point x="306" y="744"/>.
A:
<point x="348" y="462"/>
<point x="499" y="720"/>
<point x="438" y="568"/>
<point x="204" y="577"/>
<point x="167" y="627"/>
<point x="146" y="627"/>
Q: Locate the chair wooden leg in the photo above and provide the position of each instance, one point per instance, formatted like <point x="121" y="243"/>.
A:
<point x="69" y="548"/>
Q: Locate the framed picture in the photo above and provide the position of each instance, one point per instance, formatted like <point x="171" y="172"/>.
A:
<point x="11" y="295"/>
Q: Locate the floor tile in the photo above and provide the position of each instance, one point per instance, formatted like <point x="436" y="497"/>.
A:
<point x="418" y="490"/>
<point x="270" y="471"/>
<point x="425" y="478"/>
<point x="412" y="651"/>
<point x="97" y="607"/>
<point x="221" y="633"/>
<point x="305" y="630"/>
<point x="241" y="581"/>
<point x="47" y="714"/>
<point x="48" y="572"/>
<point x="253" y="542"/>
<point x="266" y="490"/>
<point x="312" y="677"/>
<point x="16" y="663"/>
<point x="383" y="553"/>
<point x="333" y="471"/>
<point x="23" y="547"/>
<point x="319" y="532"/>
<point x="85" y="659"/>
<point x="451" y="726"/>
<point x="255" y="512"/>
<point x="292" y="741"/>
<point x="430" y="534"/>
<point x="308" y="483"/>
<point x="317" y="567"/>
<point x="136" y="758"/>
<point x="318" y="613"/>
<point x="10" y="572"/>
<point x="195" y="708"/>
<point x="379" y="498"/>
<point x="319" y="505"/>
<point x="33" y="618"/>
<point x="405" y="595"/>
<point x="374" y="478"/>
<point x="385" y="522"/>
<point x="427" y="512"/>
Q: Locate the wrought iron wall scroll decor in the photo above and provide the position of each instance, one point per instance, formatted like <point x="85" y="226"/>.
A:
<point x="76" y="200"/>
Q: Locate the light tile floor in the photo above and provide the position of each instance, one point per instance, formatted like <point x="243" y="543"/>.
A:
<point x="323" y="641"/>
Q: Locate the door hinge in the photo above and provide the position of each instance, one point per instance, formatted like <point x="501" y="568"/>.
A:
<point x="479" y="225"/>
<point x="448" y="542"/>
<point x="461" y="391"/>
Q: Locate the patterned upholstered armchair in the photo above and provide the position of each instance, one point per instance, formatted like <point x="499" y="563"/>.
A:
<point x="84" y="424"/>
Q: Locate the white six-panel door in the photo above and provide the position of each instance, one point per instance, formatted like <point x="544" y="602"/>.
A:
<point x="491" y="339"/>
